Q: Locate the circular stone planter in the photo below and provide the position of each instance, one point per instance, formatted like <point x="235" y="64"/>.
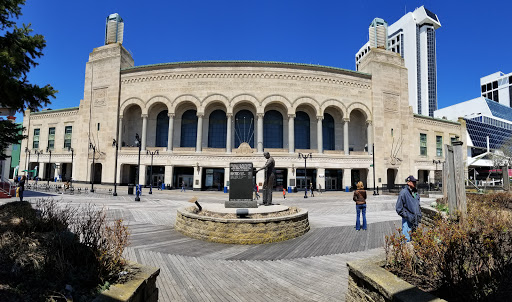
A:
<point x="249" y="230"/>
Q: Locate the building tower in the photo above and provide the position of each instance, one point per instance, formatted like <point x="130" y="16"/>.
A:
<point x="414" y="38"/>
<point x="114" y="29"/>
<point x="378" y="33"/>
<point x="498" y="87"/>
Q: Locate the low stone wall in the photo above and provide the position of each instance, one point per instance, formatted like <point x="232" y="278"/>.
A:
<point x="429" y="214"/>
<point x="368" y="281"/>
<point x="242" y="230"/>
<point x="140" y="288"/>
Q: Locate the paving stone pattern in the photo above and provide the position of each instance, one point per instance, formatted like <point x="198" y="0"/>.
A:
<point x="308" y="268"/>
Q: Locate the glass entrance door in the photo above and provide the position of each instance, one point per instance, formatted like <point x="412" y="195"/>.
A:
<point x="330" y="183"/>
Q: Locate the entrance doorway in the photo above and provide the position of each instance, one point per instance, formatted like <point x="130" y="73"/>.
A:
<point x="158" y="174"/>
<point x="183" y="175"/>
<point x="96" y="178"/>
<point x="333" y="180"/>
<point x="281" y="179"/>
<point x="305" y="181"/>
<point x="391" y="176"/>
<point x="213" y="179"/>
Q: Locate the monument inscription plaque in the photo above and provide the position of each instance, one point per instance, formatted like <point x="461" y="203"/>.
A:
<point x="241" y="186"/>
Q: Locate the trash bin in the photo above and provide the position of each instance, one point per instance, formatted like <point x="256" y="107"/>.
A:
<point x="225" y="189"/>
<point x="289" y="189"/>
<point x="130" y="189"/>
<point x="163" y="186"/>
<point x="347" y="189"/>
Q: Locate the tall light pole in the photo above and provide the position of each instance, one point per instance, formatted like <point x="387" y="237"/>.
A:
<point x="373" y="165"/>
<point x="114" y="144"/>
<point x="305" y="157"/>
<point x="71" y="177"/>
<point x="151" y="170"/>
<point x="26" y="162"/>
<point x="37" y="152"/>
<point x="93" y="147"/>
<point x="138" y="143"/>
<point x="49" y="166"/>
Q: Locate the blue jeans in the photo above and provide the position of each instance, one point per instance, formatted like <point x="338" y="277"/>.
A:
<point x="406" y="229"/>
<point x="361" y="208"/>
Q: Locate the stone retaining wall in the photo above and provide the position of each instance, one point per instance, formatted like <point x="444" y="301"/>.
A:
<point x="368" y="281"/>
<point x="140" y="288"/>
<point x="428" y="216"/>
<point x="242" y="230"/>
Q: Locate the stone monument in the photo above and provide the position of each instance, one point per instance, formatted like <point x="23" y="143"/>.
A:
<point x="241" y="186"/>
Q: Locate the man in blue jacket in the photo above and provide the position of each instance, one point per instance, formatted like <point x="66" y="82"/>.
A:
<point x="408" y="207"/>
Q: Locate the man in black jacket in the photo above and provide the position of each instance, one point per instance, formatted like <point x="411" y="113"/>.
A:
<point x="408" y="207"/>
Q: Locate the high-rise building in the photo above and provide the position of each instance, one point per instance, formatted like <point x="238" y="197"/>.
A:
<point x="498" y="87"/>
<point x="114" y="29"/>
<point x="414" y="38"/>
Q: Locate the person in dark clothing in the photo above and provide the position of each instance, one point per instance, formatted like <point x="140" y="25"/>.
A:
<point x="408" y="207"/>
<point x="311" y="188"/>
<point x="360" y="199"/>
<point x="21" y="186"/>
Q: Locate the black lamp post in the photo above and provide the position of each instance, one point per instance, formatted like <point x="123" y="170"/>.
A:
<point x="49" y="166"/>
<point x="151" y="170"/>
<point x="305" y="157"/>
<point x="373" y="165"/>
<point x="27" y="151"/>
<point x="71" y="177"/>
<point x="138" y="143"/>
<point x="93" y="147"/>
<point x="114" y="144"/>
<point x="37" y="152"/>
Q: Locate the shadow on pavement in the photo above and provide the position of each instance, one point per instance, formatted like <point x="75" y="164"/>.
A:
<point x="28" y="193"/>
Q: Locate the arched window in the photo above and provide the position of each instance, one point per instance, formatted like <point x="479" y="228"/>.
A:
<point x="244" y="128"/>
<point x="328" y="132"/>
<point x="188" y="129"/>
<point x="302" y="133"/>
<point x="162" y="129"/>
<point x="273" y="129"/>
<point x="217" y="126"/>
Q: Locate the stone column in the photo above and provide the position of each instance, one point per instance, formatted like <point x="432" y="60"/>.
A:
<point x="345" y="135"/>
<point x="369" y="178"/>
<point x="198" y="171"/>
<point x="199" y="141"/>
<point x="142" y="175"/>
<point x="144" y="129"/>
<point x="120" y="132"/>
<point x="291" y="175"/>
<point x="260" y="132"/>
<point x="369" y="136"/>
<point x="41" y="170"/>
<point x="226" y="176"/>
<point x="291" y="133"/>
<point x="228" y="134"/>
<point x="320" y="179"/>
<point x="57" y="171"/>
<point x="319" y="134"/>
<point x="170" y="135"/>
<point x="347" y="178"/>
<point x="168" y="175"/>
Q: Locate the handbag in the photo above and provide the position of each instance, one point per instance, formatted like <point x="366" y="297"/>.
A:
<point x="18" y="192"/>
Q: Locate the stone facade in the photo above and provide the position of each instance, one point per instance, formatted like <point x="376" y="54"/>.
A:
<point x="348" y="110"/>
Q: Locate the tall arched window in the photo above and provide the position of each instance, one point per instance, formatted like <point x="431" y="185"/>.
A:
<point x="328" y="132"/>
<point x="217" y="126"/>
<point x="188" y="129"/>
<point x="301" y="130"/>
<point x="244" y="128"/>
<point x="162" y="129"/>
<point x="273" y="129"/>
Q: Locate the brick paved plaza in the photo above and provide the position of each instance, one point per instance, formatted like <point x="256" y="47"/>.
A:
<point x="309" y="268"/>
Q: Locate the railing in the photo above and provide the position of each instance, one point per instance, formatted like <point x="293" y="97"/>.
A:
<point x="422" y="188"/>
<point x="6" y="185"/>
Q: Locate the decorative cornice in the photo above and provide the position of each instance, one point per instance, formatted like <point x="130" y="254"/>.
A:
<point x="436" y="122"/>
<point x="270" y="76"/>
<point x="52" y="114"/>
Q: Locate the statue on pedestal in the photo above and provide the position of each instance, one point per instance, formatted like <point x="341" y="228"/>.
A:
<point x="270" y="175"/>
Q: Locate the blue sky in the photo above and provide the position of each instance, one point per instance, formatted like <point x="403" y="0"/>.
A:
<point x="474" y="39"/>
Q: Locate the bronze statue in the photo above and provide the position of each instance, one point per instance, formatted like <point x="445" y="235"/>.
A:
<point x="270" y="175"/>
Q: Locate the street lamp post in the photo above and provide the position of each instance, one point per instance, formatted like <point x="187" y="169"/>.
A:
<point x="114" y="144"/>
<point x="26" y="162"/>
<point x="138" y="143"/>
<point x="151" y="170"/>
<point x="93" y="147"/>
<point x="37" y="152"/>
<point x="373" y="165"/>
<point x="71" y="177"/>
<point x="305" y="157"/>
<point x="49" y="166"/>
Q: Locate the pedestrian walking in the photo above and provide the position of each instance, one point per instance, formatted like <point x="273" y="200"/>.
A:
<point x="159" y="184"/>
<point x="182" y="186"/>
<point x="311" y="187"/>
<point x="284" y="193"/>
<point x="256" y="188"/>
<point x="21" y="187"/>
<point x="360" y="199"/>
<point x="320" y="188"/>
<point x="408" y="207"/>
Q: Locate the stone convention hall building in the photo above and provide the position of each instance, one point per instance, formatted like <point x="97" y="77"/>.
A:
<point x="200" y="116"/>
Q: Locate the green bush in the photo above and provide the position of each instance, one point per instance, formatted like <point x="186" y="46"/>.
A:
<point x="459" y="260"/>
